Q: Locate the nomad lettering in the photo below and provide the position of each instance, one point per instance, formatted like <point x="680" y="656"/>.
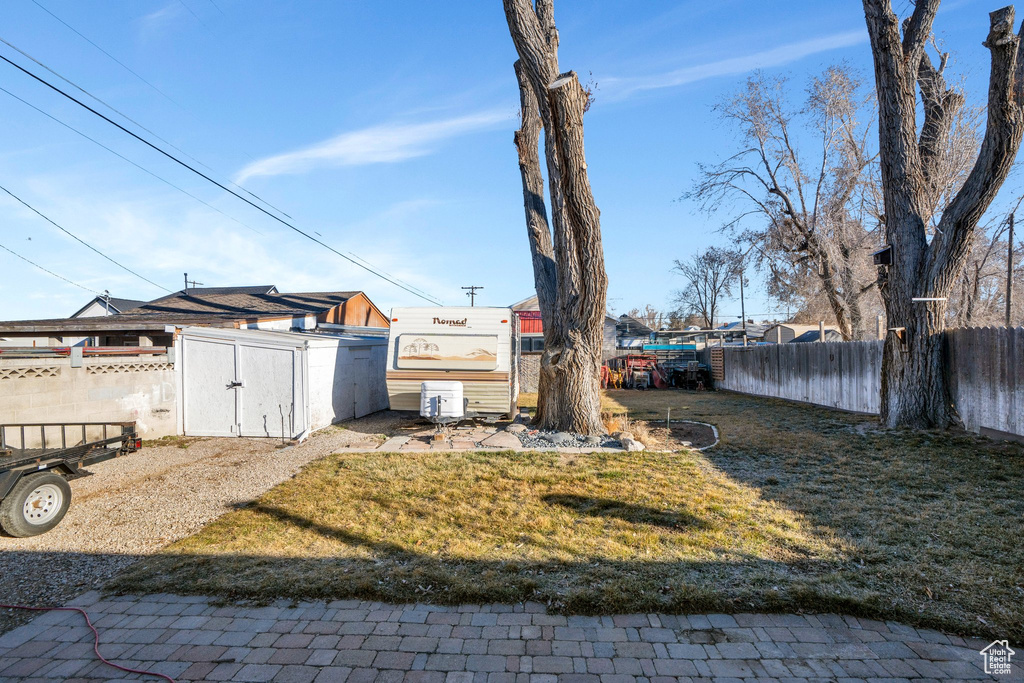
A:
<point x="453" y="323"/>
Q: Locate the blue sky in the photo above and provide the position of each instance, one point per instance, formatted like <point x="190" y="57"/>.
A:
<point x="386" y="128"/>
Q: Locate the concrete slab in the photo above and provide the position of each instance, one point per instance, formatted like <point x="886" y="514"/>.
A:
<point x="394" y="443"/>
<point x="503" y="440"/>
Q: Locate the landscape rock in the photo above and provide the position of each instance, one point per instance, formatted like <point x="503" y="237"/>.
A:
<point x="516" y="427"/>
<point x="558" y="437"/>
<point x="631" y="444"/>
<point x="533" y="438"/>
<point x="622" y="435"/>
<point x="502" y="440"/>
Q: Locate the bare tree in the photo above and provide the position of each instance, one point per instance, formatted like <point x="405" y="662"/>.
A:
<point x="709" y="278"/>
<point x="649" y="316"/>
<point x="810" y="213"/>
<point x="978" y="298"/>
<point x="916" y="286"/>
<point x="568" y="258"/>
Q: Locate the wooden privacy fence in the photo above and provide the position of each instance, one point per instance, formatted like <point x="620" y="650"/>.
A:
<point x="985" y="369"/>
<point x="842" y="375"/>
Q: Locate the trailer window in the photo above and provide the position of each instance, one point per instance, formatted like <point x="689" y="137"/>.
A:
<point x="447" y="351"/>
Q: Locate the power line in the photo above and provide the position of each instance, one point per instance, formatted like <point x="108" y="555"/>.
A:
<point x="79" y="239"/>
<point x="390" y="275"/>
<point x="121" y="156"/>
<point x="218" y="184"/>
<point x="182" y="3"/>
<point x="50" y="272"/>
<point x="122" y="64"/>
<point x="213" y="2"/>
<point x="128" y="118"/>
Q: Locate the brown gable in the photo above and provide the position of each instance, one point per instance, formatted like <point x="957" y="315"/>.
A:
<point x="357" y="311"/>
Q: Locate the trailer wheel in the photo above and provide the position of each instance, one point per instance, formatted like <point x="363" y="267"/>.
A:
<point x="35" y="505"/>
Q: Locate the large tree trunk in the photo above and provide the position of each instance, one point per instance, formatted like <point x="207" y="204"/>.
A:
<point x="545" y="279"/>
<point x="569" y="386"/>
<point x="914" y="388"/>
<point x="582" y="283"/>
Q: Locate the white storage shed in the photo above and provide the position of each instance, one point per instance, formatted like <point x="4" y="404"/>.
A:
<point x="260" y="383"/>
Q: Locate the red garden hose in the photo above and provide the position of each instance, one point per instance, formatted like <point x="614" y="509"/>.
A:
<point x="96" y="638"/>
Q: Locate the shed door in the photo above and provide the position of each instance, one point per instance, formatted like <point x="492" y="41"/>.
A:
<point x="208" y="371"/>
<point x="362" y="380"/>
<point x="269" y="404"/>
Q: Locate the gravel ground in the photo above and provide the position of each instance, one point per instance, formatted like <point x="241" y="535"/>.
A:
<point x="533" y="438"/>
<point x="135" y="505"/>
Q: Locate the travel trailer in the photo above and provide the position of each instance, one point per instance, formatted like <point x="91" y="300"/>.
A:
<point x="431" y="347"/>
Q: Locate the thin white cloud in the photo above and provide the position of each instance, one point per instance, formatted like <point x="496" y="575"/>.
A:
<point x="155" y="21"/>
<point x="619" y="88"/>
<point x="385" y="143"/>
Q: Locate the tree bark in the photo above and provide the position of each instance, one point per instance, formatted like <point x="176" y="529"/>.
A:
<point x="545" y="279"/>
<point x="569" y="389"/>
<point x="914" y="388"/>
<point x="582" y="281"/>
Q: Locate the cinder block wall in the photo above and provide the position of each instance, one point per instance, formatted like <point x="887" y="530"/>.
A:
<point x="115" y="389"/>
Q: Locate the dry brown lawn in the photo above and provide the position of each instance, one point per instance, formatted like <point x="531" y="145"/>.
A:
<point x="798" y="508"/>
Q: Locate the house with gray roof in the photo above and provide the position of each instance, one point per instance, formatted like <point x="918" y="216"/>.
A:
<point x="124" y="322"/>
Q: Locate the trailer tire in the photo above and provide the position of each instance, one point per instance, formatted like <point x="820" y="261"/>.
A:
<point x="36" y="504"/>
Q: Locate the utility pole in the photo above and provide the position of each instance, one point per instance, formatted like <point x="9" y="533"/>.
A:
<point x="1009" y="274"/>
<point x="472" y="293"/>
<point x="743" y="309"/>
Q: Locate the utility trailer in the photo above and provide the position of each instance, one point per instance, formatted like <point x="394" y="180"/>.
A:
<point x="38" y="460"/>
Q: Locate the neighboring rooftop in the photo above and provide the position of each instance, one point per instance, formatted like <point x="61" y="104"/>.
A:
<point x="111" y="303"/>
<point x="199" y="307"/>
<point x="530" y="303"/>
<point x="815" y="335"/>
<point x="205" y="291"/>
<point x="752" y="329"/>
<point x="631" y="327"/>
<point x="245" y="305"/>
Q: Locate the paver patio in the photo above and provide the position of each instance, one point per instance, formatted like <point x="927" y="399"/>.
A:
<point x="188" y="638"/>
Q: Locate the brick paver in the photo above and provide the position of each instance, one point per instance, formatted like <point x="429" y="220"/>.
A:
<point x="348" y="641"/>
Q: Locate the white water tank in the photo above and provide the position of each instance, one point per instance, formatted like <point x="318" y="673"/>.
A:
<point x="441" y="400"/>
